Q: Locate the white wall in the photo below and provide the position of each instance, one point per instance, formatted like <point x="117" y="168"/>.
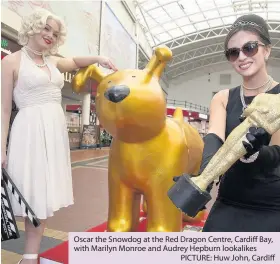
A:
<point x="10" y="18"/>
<point x="82" y="19"/>
<point x="143" y="41"/>
<point x="123" y="16"/>
<point x="199" y="88"/>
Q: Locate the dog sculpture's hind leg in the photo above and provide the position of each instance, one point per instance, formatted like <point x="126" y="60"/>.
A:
<point x="124" y="202"/>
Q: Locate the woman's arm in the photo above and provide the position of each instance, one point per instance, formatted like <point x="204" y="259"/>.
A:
<point x="75" y="63"/>
<point x="217" y="121"/>
<point x="217" y="130"/>
<point x="7" y="81"/>
<point x="275" y="139"/>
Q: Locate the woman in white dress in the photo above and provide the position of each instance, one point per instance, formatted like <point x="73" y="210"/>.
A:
<point x="38" y="156"/>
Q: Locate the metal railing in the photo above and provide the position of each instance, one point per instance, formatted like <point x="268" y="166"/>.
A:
<point x="188" y="105"/>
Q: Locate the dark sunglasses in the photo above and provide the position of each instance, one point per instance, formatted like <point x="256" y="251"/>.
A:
<point x="249" y="49"/>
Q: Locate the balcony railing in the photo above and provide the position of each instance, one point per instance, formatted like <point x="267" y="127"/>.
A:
<point x="188" y="105"/>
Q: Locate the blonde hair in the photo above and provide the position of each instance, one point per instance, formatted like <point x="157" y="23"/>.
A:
<point x="35" y="22"/>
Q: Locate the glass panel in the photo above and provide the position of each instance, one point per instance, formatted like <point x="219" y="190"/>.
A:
<point x="229" y="20"/>
<point x="157" y="30"/>
<point x="149" y="4"/>
<point x="226" y="10"/>
<point x="176" y="33"/>
<point x="188" y="29"/>
<point x="206" y="5"/>
<point x="174" y="10"/>
<point x="151" y="22"/>
<point x="162" y="2"/>
<point x="202" y="26"/>
<point x="163" y="19"/>
<point x="183" y="21"/>
<point x="215" y="22"/>
<point x="169" y="19"/>
<point x="169" y="26"/>
<point x="211" y="14"/>
<point x="163" y="37"/>
<point x="220" y="3"/>
<point x="155" y="13"/>
<point x="190" y="6"/>
<point x="196" y="17"/>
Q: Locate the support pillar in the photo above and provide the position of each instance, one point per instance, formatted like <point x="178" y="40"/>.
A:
<point x="86" y="110"/>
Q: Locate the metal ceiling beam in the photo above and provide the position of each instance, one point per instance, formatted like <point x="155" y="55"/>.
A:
<point x="274" y="27"/>
<point x="207" y="50"/>
<point x="236" y="7"/>
<point x="239" y="7"/>
<point x="140" y="9"/>
<point x="210" y="40"/>
<point x="196" y="65"/>
<point x="196" y="53"/>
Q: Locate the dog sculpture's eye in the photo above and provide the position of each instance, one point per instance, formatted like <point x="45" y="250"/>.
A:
<point x="109" y="81"/>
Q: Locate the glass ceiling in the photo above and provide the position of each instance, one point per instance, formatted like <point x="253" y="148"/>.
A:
<point x="165" y="20"/>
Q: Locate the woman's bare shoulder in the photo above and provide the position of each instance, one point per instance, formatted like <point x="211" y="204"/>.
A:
<point x="12" y="59"/>
<point x="221" y="96"/>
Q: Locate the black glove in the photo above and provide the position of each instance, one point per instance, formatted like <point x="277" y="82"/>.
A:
<point x="257" y="138"/>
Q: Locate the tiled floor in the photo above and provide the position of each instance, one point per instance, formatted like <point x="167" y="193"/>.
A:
<point x="90" y="208"/>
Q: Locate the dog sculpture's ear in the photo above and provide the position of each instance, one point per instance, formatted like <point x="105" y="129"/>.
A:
<point x="81" y="77"/>
<point x="158" y="62"/>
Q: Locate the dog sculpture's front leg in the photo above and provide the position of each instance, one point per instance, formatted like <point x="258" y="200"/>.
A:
<point x="163" y="216"/>
<point x="124" y="203"/>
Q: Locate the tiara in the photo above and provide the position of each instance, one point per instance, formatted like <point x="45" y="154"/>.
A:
<point x="244" y="23"/>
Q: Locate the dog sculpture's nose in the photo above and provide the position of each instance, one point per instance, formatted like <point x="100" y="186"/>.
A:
<point x="117" y="93"/>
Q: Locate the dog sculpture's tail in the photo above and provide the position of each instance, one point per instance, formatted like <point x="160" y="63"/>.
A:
<point x="178" y="115"/>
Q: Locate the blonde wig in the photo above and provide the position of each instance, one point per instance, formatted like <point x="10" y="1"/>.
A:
<point x="35" y="23"/>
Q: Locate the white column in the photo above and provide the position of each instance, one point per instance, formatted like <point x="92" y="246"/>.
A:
<point x="97" y="121"/>
<point x="86" y="109"/>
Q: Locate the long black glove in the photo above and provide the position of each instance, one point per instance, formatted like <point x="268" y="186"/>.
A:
<point x="212" y="144"/>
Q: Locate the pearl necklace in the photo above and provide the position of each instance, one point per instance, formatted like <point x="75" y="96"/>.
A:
<point x="257" y="88"/>
<point x="33" y="51"/>
<point x="267" y="86"/>
<point x="38" y="65"/>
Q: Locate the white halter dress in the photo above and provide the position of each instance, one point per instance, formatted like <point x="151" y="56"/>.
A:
<point x="38" y="153"/>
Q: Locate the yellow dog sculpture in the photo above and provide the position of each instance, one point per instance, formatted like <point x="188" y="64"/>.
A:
<point x="148" y="149"/>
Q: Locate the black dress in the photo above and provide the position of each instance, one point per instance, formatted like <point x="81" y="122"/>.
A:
<point x="249" y="196"/>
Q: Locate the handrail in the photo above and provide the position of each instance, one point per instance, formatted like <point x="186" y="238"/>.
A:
<point x="188" y="105"/>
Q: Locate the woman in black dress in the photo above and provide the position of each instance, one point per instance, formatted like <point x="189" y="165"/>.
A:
<point x="249" y="193"/>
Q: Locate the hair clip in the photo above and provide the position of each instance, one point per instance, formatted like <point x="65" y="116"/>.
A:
<point x="244" y="23"/>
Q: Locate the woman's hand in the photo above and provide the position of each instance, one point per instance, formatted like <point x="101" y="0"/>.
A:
<point x="256" y="138"/>
<point x="106" y="63"/>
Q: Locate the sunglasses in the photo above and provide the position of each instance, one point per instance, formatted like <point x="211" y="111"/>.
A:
<point x="249" y="49"/>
